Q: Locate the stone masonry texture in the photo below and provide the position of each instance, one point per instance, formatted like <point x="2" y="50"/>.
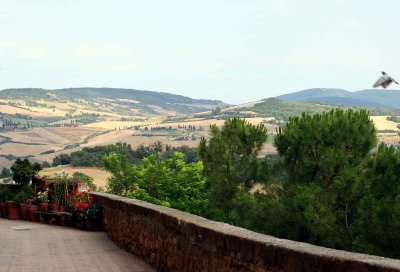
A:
<point x="172" y="240"/>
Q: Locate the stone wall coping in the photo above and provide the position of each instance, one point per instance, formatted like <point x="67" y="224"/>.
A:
<point x="245" y="234"/>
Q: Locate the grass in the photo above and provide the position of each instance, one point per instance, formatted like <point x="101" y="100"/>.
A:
<point x="381" y="123"/>
<point x="99" y="175"/>
<point x="111" y="125"/>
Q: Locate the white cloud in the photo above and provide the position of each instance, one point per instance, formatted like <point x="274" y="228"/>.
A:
<point x="33" y="52"/>
<point x="18" y="50"/>
<point x="7" y="44"/>
<point x="100" y="51"/>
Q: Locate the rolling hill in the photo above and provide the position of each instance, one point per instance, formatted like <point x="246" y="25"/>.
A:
<point x="370" y="98"/>
<point x="121" y="101"/>
<point x="40" y="124"/>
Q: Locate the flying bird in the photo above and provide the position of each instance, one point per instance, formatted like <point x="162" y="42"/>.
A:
<point x="384" y="81"/>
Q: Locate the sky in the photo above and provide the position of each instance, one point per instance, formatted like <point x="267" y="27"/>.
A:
<point x="236" y="51"/>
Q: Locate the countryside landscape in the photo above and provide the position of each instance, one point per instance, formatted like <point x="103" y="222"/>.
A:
<point x="210" y="136"/>
<point x="230" y="163"/>
<point x="40" y="124"/>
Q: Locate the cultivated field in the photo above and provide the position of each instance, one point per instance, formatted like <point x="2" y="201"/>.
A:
<point x="382" y="124"/>
<point x="59" y="109"/>
<point x="205" y="124"/>
<point x="22" y="143"/>
<point x="135" y="138"/>
<point x="53" y="141"/>
<point x="110" y="125"/>
<point x="99" y="176"/>
<point x="56" y="135"/>
<point x="13" y="110"/>
<point x="389" y="138"/>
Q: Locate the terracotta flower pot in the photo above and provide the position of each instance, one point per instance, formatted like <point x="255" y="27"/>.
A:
<point x="4" y="209"/>
<point x="24" y="211"/>
<point x="13" y="210"/>
<point x="44" y="206"/>
<point x="54" y="206"/>
<point x="32" y="212"/>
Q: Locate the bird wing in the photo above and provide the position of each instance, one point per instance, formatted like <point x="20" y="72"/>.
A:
<point x="394" y="80"/>
<point x="379" y="82"/>
<point x="386" y="83"/>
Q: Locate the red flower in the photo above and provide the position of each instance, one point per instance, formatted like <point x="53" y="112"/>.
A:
<point x="80" y="201"/>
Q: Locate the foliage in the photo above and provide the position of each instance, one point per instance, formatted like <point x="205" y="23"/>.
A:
<point x="5" y="194"/>
<point x="317" y="148"/>
<point x="170" y="182"/>
<point x="24" y="171"/>
<point x="123" y="176"/>
<point x="94" y="156"/>
<point x="61" y="186"/>
<point x="190" y="153"/>
<point x="5" y="172"/>
<point x="47" y="152"/>
<point x="78" y="177"/>
<point x="324" y="157"/>
<point x="64" y="183"/>
<point x="230" y="159"/>
<point x="24" y="195"/>
<point x="61" y="159"/>
<point x="378" y="224"/>
<point x="46" y="164"/>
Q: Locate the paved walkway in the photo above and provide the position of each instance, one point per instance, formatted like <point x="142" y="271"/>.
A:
<point x="28" y="246"/>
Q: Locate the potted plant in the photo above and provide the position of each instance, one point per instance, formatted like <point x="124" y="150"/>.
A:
<point x="21" y="198"/>
<point x="23" y="173"/>
<point x="33" y="207"/>
<point x="61" y="188"/>
<point x="13" y="210"/>
<point x="42" y="198"/>
<point x="5" y="195"/>
<point x="92" y="217"/>
<point x="85" y="213"/>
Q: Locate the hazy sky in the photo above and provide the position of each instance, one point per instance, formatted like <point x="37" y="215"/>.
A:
<point x="235" y="51"/>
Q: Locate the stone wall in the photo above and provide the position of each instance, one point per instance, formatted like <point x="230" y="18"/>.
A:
<point x="172" y="240"/>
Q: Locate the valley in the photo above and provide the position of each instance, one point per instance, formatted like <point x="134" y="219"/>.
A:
<point x="41" y="124"/>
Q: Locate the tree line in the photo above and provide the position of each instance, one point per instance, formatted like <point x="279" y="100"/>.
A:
<point x="94" y="156"/>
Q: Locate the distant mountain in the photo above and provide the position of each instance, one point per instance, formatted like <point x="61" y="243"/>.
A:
<point x="312" y="101"/>
<point x="149" y="97"/>
<point x="371" y="98"/>
<point x="146" y="102"/>
<point x="388" y="98"/>
<point x="314" y="93"/>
